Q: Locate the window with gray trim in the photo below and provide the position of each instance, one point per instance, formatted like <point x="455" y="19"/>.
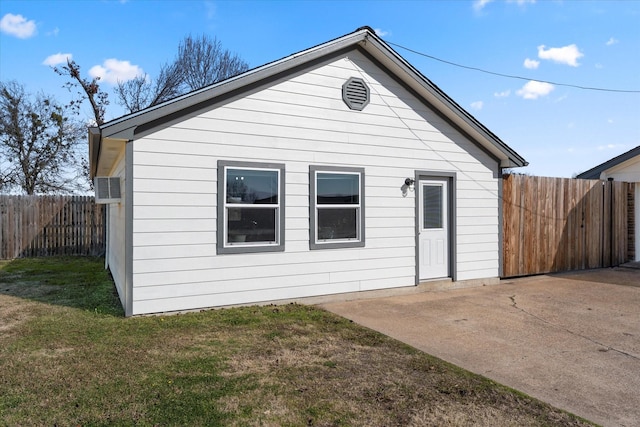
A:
<point x="250" y="207"/>
<point x="337" y="207"/>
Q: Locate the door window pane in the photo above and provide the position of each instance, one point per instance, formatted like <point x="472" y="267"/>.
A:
<point x="432" y="206"/>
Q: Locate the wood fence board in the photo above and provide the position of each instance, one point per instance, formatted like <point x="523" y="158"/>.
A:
<point x="559" y="224"/>
<point x="632" y="205"/>
<point x="520" y="254"/>
<point x="50" y="225"/>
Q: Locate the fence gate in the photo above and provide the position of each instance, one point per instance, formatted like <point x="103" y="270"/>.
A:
<point x="50" y="225"/>
<point x="560" y="224"/>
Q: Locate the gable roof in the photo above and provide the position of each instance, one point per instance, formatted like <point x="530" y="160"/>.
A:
<point x="595" y="172"/>
<point x="126" y="128"/>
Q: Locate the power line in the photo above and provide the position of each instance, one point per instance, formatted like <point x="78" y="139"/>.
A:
<point x="510" y="75"/>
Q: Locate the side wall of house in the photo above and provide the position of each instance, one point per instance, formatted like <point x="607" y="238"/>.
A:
<point x="116" y="252"/>
<point x="302" y="121"/>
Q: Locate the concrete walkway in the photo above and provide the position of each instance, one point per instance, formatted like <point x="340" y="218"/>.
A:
<point x="572" y="340"/>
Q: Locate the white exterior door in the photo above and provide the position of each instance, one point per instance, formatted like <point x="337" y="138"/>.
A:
<point x="433" y="229"/>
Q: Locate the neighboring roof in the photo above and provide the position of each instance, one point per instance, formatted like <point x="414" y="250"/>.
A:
<point x="594" y="173"/>
<point x="135" y="124"/>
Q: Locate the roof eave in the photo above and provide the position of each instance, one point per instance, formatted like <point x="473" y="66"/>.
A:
<point x="421" y="84"/>
<point x="125" y="126"/>
<point x="365" y="38"/>
<point x="596" y="172"/>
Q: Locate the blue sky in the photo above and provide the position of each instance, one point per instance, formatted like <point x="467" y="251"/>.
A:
<point x="561" y="130"/>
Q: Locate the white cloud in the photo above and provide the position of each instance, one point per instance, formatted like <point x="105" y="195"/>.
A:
<point x="568" y="55"/>
<point x="503" y="94"/>
<point x="113" y="71"/>
<point x="18" y="26"/>
<point x="211" y="9"/>
<point x="478" y="5"/>
<point x="56" y="59"/>
<point x="477" y="105"/>
<point x="562" y="98"/>
<point x="534" y="89"/>
<point x="380" y="32"/>
<point x="531" y="64"/>
<point x="54" y="32"/>
<point x="609" y="147"/>
<point x="612" y="41"/>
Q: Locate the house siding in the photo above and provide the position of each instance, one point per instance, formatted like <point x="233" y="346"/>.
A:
<point x="117" y="233"/>
<point x="302" y="121"/>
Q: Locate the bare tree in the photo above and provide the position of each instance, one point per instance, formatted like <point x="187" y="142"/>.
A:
<point x="204" y="62"/>
<point x="200" y="62"/>
<point x="142" y="92"/>
<point x="38" y="142"/>
<point x="134" y="94"/>
<point x="168" y="85"/>
<point x="89" y="89"/>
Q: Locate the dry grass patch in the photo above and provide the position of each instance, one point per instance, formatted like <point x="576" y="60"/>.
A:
<point x="70" y="358"/>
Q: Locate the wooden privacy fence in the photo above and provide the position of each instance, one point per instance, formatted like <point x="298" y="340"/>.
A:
<point x="559" y="224"/>
<point x="50" y="225"/>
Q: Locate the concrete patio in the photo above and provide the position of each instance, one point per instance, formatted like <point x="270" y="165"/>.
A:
<point x="572" y="340"/>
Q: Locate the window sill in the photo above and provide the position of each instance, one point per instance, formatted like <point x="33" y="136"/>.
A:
<point x="336" y="245"/>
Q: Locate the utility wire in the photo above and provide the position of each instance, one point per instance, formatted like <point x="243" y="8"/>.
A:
<point x="510" y="75"/>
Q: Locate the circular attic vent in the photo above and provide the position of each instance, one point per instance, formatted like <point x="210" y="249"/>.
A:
<point x="355" y="93"/>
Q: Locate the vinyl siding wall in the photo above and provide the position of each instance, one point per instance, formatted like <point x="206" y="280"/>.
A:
<point x="302" y="121"/>
<point x="117" y="251"/>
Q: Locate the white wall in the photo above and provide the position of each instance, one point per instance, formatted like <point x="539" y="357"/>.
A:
<point x="116" y="252"/>
<point x="302" y="121"/>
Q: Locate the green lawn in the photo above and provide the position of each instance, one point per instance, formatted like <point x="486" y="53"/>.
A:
<point x="68" y="357"/>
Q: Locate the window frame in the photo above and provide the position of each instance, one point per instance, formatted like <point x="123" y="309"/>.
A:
<point x="222" y="245"/>
<point x="314" y="242"/>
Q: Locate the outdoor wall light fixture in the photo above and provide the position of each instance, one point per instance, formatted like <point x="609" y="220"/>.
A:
<point x="410" y="183"/>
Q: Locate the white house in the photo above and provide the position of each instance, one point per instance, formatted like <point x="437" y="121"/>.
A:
<point x="337" y="169"/>
<point x="626" y="168"/>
